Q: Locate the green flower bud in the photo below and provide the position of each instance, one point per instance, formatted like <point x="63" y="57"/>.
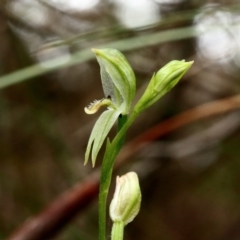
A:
<point x="126" y="201"/>
<point x="118" y="79"/>
<point x="162" y="82"/>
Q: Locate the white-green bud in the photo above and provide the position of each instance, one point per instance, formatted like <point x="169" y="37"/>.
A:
<point x="126" y="201"/>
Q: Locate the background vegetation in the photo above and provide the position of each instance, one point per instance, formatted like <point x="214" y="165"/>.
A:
<point x="185" y="148"/>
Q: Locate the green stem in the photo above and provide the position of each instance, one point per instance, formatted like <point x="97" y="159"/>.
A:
<point x="117" y="231"/>
<point x="121" y="121"/>
<point x="110" y="155"/>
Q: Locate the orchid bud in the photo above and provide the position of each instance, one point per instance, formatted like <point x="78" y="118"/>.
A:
<point x="126" y="201"/>
<point x="162" y="82"/>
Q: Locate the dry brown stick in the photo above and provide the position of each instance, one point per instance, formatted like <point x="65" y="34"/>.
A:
<point x="75" y="200"/>
<point x="203" y="111"/>
<point x="59" y="212"/>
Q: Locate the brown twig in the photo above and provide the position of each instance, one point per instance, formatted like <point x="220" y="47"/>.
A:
<point x="75" y="200"/>
<point x="59" y="212"/>
<point x="203" y="111"/>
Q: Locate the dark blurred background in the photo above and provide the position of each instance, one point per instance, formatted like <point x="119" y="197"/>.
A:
<point x="190" y="177"/>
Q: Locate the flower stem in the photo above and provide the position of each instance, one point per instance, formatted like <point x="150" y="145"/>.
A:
<point x="110" y="155"/>
<point x="117" y="231"/>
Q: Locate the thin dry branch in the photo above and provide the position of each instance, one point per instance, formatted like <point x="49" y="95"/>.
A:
<point x="203" y="111"/>
<point x="59" y="212"/>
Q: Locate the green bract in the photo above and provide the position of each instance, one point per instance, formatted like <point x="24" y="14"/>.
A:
<point x="119" y="86"/>
<point x="162" y="82"/>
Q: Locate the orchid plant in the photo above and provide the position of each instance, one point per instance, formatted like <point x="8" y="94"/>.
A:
<point x="119" y="87"/>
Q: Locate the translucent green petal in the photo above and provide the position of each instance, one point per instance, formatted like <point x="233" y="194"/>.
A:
<point x="109" y="88"/>
<point x="117" y="77"/>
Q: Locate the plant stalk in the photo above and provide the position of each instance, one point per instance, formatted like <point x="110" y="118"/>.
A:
<point x="110" y="155"/>
<point x="117" y="231"/>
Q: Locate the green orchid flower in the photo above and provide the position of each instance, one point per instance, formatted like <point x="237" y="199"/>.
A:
<point x="119" y="86"/>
